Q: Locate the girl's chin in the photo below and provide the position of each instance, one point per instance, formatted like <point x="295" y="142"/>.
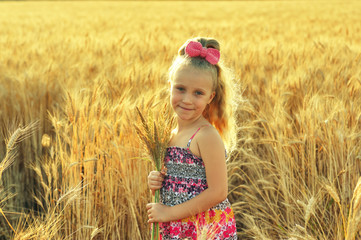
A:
<point x="183" y="118"/>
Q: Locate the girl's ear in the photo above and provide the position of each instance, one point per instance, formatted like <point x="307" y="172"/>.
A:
<point x="211" y="97"/>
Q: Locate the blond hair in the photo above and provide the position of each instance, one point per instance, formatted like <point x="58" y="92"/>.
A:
<point x="219" y="111"/>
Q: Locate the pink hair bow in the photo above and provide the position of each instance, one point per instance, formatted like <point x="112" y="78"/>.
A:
<point x="195" y="49"/>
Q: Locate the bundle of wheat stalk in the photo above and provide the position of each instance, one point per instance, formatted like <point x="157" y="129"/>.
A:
<point x="154" y="130"/>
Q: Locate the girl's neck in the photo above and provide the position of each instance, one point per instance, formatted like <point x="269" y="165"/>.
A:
<point x="184" y="125"/>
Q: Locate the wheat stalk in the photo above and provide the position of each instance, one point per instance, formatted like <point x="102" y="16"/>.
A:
<point x="354" y="217"/>
<point x="155" y="132"/>
<point x="16" y="137"/>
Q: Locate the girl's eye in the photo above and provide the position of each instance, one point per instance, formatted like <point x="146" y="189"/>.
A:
<point x="199" y="93"/>
<point x="180" y="88"/>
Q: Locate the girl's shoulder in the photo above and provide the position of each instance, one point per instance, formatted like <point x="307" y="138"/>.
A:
<point x="207" y="131"/>
<point x="209" y="138"/>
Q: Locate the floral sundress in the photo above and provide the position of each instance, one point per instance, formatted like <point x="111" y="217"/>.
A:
<point x="185" y="179"/>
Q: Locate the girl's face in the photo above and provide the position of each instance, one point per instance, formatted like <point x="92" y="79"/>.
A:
<point x="191" y="91"/>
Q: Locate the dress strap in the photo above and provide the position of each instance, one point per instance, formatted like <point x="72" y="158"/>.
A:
<point x="190" y="140"/>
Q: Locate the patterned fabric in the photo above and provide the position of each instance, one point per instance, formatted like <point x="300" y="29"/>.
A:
<point x="185" y="179"/>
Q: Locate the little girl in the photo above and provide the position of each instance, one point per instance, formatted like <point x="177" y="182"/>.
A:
<point x="194" y="189"/>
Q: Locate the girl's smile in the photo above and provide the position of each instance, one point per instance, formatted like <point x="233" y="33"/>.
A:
<point x="187" y="109"/>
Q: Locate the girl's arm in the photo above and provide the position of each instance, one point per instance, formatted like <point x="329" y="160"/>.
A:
<point x="213" y="155"/>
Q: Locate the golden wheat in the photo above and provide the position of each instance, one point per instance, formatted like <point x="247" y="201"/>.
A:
<point x="81" y="68"/>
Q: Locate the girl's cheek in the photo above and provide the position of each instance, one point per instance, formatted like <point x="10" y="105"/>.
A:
<point x="173" y="99"/>
<point x="175" y="96"/>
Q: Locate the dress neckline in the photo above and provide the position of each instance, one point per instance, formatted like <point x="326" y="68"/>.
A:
<point x="185" y="149"/>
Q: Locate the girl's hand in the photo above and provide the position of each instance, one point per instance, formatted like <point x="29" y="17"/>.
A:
<point x="155" y="180"/>
<point x="158" y="212"/>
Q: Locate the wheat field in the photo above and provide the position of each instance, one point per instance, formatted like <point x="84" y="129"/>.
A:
<point x="76" y="71"/>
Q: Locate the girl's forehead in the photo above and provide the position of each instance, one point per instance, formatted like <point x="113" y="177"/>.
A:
<point x="193" y="75"/>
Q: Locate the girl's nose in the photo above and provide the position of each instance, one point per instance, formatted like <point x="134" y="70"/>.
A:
<point x="186" y="98"/>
